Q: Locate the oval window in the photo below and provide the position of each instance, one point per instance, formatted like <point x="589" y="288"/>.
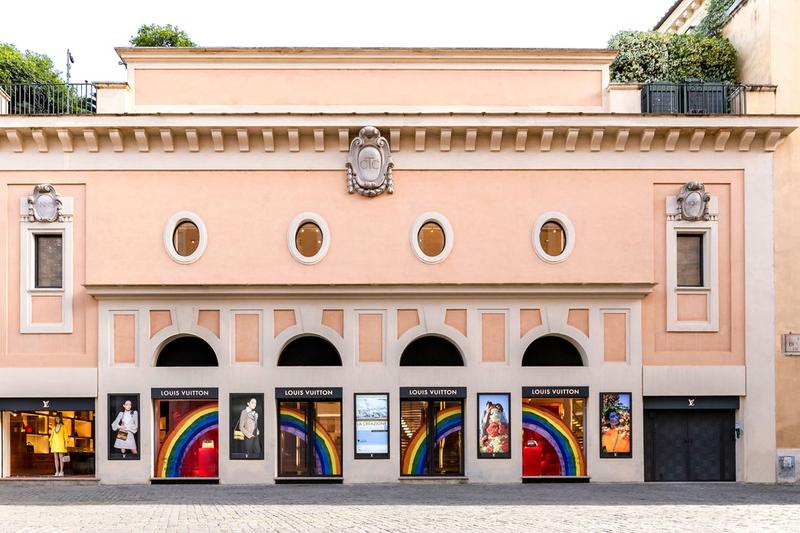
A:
<point x="308" y="239"/>
<point x="186" y="238"/>
<point x="431" y="239"/>
<point x="553" y="238"/>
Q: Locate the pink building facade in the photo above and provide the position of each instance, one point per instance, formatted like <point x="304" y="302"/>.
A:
<point x="353" y="265"/>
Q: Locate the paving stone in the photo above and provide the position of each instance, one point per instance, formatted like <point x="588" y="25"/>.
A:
<point x="398" y="507"/>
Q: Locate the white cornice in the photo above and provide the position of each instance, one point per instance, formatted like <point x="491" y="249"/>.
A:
<point x="595" y="132"/>
<point x="583" y="290"/>
<point x="364" y="55"/>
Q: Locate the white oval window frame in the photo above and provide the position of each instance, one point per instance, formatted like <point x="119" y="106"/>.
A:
<point x="169" y="232"/>
<point x="569" y="230"/>
<point x="298" y="221"/>
<point x="432" y="216"/>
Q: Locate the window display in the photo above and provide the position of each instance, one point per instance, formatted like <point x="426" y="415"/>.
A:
<point x="309" y="431"/>
<point x="38" y="438"/>
<point x="319" y="423"/>
<point x="493" y="426"/>
<point x="432" y="437"/>
<point x="187" y="433"/>
<point x="123" y="439"/>
<point x="615" y="425"/>
<point x="553" y="437"/>
<point x="372" y="426"/>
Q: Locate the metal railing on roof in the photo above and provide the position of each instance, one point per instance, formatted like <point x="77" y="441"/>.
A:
<point x="51" y="98"/>
<point x="694" y="98"/>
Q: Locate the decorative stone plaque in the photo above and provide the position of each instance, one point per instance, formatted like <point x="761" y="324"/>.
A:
<point x="44" y="205"/>
<point x="369" y="164"/>
<point x="693" y="201"/>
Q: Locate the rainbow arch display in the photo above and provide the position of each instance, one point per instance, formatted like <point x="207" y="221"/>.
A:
<point x="179" y="441"/>
<point x="415" y="460"/>
<point x="556" y="432"/>
<point x="326" y="453"/>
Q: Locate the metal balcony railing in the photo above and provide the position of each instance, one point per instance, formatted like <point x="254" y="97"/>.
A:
<point x="51" y="98"/>
<point x="694" y="98"/>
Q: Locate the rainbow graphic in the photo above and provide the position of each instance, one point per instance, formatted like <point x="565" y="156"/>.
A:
<point x="556" y="432"/>
<point x="179" y="441"/>
<point x="326" y="453"/>
<point x="415" y="460"/>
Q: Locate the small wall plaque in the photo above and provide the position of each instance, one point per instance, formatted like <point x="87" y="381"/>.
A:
<point x="791" y="344"/>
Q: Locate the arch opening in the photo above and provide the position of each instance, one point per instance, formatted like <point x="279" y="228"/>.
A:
<point x="187" y="350"/>
<point x="551" y="350"/>
<point x="310" y="351"/>
<point x="431" y="351"/>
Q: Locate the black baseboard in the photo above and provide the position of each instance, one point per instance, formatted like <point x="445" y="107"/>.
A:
<point x="556" y="479"/>
<point x="184" y="481"/>
<point x="308" y="480"/>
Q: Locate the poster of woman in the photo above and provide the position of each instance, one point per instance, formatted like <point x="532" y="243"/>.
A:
<point x="123" y="413"/>
<point x="493" y="426"/>
<point x="615" y="425"/>
<point x="247" y="426"/>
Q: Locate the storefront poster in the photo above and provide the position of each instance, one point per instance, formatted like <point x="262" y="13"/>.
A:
<point x="123" y="424"/>
<point x="615" y="425"/>
<point x="494" y="426"/>
<point x="372" y="426"/>
<point x="247" y="426"/>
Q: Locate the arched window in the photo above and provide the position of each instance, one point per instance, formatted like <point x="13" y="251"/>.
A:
<point x="310" y="351"/>
<point x="551" y="351"/>
<point x="431" y="351"/>
<point x="187" y="350"/>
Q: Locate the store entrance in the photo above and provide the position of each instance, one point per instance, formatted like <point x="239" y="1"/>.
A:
<point x="309" y="432"/>
<point x="432" y="431"/>
<point x="689" y="445"/>
<point x="40" y="430"/>
<point x="186" y="433"/>
<point x="553" y="435"/>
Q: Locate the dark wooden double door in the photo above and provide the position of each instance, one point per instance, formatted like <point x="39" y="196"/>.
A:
<point x="685" y="445"/>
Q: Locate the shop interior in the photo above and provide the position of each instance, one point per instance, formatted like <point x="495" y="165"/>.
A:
<point x="187" y="439"/>
<point x="544" y="439"/>
<point x="309" y="439"/>
<point x="432" y="438"/>
<point x="29" y="445"/>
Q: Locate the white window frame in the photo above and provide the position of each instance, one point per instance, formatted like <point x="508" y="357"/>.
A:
<point x="169" y="231"/>
<point x="569" y="235"/>
<point x="449" y="239"/>
<point x="294" y="226"/>
<point x="27" y="283"/>
<point x="708" y="229"/>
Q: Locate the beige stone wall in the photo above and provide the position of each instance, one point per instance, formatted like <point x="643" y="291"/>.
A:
<point x="766" y="38"/>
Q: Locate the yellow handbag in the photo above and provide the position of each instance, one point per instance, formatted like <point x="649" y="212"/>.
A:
<point x="237" y="433"/>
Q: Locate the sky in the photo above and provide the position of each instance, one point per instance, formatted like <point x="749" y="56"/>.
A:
<point x="91" y="30"/>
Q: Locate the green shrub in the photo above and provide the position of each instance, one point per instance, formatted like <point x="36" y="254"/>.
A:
<point x="155" y="35"/>
<point x="646" y="56"/>
<point x="714" y="17"/>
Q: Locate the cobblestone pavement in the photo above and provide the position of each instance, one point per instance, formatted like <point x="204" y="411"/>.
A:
<point x="473" y="507"/>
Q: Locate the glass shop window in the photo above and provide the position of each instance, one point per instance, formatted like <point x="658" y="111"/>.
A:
<point x="309" y="439"/>
<point x="432" y="438"/>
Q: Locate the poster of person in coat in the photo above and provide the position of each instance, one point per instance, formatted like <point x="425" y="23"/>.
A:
<point x="247" y="426"/>
<point x="123" y="413"/>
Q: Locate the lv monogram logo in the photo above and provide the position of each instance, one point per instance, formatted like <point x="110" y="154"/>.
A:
<point x="691" y="402"/>
<point x="46" y="404"/>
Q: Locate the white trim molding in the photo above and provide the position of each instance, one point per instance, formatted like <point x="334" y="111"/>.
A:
<point x="169" y="231"/>
<point x="569" y="236"/>
<point x="294" y="226"/>
<point x="28" y="230"/>
<point x="441" y="220"/>
<point x="676" y="225"/>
